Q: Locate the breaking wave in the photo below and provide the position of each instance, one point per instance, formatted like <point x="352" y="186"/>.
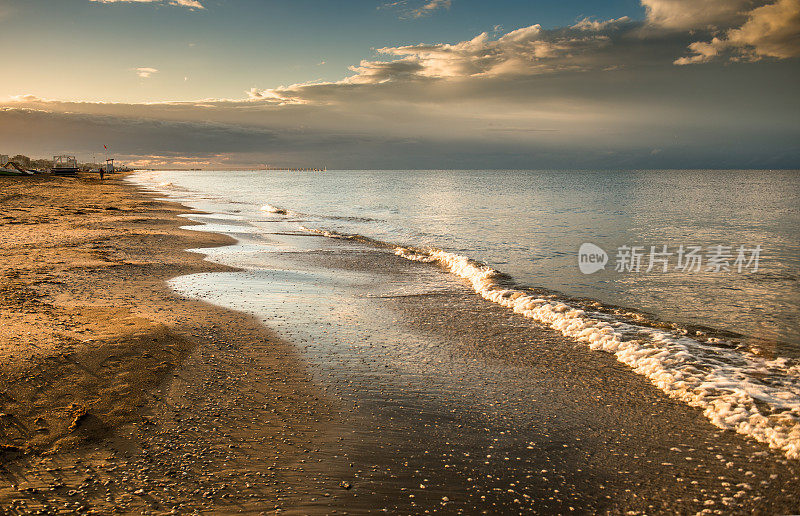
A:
<point x="736" y="390"/>
<point x="278" y="211"/>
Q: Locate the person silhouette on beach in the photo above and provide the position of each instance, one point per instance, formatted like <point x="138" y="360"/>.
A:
<point x="101" y="173"/>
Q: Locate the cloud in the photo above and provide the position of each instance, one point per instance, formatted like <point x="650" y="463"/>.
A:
<point x="698" y="14"/>
<point x="528" y="51"/>
<point x="707" y="116"/>
<point x="429" y="8"/>
<point x="146" y="72"/>
<point x="131" y="134"/>
<point x="25" y="98"/>
<point x="190" y="4"/>
<point x="738" y="29"/>
<point x="771" y="30"/>
<point x="420" y="11"/>
<point x="589" y="24"/>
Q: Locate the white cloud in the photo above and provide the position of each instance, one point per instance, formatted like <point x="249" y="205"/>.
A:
<point x="771" y="30"/>
<point x="25" y="98"/>
<point x="430" y="7"/>
<point x="146" y="72"/>
<point x="526" y="51"/>
<point x="190" y="4"/>
<point x="407" y="10"/>
<point x="589" y="24"/>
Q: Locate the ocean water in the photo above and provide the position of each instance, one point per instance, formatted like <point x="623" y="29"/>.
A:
<point x="530" y="224"/>
<point x="723" y="337"/>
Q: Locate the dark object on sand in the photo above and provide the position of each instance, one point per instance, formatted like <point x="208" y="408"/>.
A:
<point x="9" y="448"/>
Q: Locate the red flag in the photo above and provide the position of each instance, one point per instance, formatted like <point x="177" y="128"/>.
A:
<point x="106" y="148"/>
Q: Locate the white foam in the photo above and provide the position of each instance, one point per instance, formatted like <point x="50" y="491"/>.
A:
<point x="727" y="385"/>
<point x="329" y="234"/>
<point x="273" y="209"/>
<point x="278" y="211"/>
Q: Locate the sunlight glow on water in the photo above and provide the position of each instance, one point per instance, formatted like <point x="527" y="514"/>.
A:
<point x="529" y="224"/>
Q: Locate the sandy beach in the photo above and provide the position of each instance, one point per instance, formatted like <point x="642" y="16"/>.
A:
<point x="402" y="257"/>
<point x="94" y="347"/>
<point x="120" y="396"/>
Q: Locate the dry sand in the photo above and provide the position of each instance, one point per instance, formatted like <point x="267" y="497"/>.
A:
<point x="94" y="415"/>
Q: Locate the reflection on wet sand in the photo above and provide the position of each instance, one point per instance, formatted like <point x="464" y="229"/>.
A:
<point x="449" y="402"/>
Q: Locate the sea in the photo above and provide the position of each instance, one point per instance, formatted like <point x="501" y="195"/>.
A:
<point x="687" y="277"/>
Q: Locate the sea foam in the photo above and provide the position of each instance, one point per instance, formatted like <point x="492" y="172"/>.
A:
<point x="279" y="211"/>
<point x="751" y="395"/>
<point x="727" y="385"/>
<point x="274" y="209"/>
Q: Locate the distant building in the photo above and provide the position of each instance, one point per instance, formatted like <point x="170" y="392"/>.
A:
<point x="4" y="159"/>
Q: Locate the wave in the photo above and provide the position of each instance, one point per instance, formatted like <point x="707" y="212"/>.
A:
<point x="278" y="211"/>
<point x="736" y="390"/>
<point x="347" y="218"/>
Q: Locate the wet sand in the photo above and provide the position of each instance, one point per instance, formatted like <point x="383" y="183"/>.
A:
<point x="471" y="408"/>
<point x="118" y="395"/>
<point x="454" y="404"/>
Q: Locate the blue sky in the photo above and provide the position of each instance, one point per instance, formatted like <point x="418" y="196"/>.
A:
<point x="233" y="45"/>
<point x="405" y="84"/>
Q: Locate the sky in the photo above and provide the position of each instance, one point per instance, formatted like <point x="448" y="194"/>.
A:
<point x="445" y="84"/>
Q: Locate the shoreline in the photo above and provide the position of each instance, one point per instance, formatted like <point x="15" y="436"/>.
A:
<point x="605" y="432"/>
<point x="96" y="344"/>
<point x="224" y="416"/>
